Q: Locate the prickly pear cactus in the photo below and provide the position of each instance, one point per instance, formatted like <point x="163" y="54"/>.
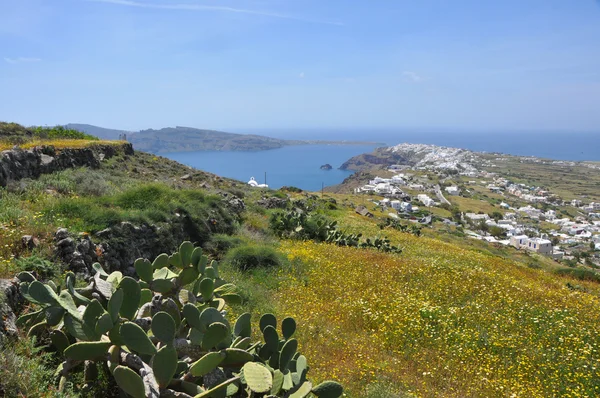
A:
<point x="166" y="334"/>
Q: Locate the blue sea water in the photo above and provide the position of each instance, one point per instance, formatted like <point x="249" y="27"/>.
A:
<point x="300" y="165"/>
<point x="297" y="166"/>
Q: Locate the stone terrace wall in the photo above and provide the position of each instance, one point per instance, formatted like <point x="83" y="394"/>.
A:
<point x="16" y="164"/>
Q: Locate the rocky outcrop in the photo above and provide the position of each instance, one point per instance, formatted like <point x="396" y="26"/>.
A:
<point x="16" y="164"/>
<point x="326" y="166"/>
<point x="77" y="253"/>
<point x="117" y="247"/>
<point x="272" y="203"/>
<point x="11" y="302"/>
<point x="379" y="157"/>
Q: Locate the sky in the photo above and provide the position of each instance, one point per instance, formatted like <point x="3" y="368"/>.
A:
<point x="303" y="64"/>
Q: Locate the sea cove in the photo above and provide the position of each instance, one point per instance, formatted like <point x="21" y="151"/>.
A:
<point x="297" y="166"/>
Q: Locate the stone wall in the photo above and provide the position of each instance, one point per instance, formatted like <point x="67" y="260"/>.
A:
<point x="16" y="164"/>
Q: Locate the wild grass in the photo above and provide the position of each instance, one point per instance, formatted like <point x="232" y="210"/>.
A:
<point x="27" y="371"/>
<point x="58" y="143"/>
<point x="253" y="256"/>
<point x="442" y="321"/>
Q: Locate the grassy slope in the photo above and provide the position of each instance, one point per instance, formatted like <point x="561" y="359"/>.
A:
<point x="86" y="200"/>
<point x="441" y="319"/>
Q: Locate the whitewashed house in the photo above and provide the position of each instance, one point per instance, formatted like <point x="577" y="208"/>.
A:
<point x="539" y="245"/>
<point x="426" y="200"/>
<point x="453" y="190"/>
<point x="519" y="241"/>
<point x="477" y="217"/>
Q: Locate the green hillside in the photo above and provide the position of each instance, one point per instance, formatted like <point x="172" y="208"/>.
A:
<point x="412" y="315"/>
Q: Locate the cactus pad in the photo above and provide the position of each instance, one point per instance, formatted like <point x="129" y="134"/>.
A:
<point x="129" y="381"/>
<point x="87" y="350"/>
<point x="328" y="389"/>
<point x="163" y="327"/>
<point x="257" y="377"/>
<point x="136" y="339"/>
<point x="207" y="363"/>
<point x="164" y="365"/>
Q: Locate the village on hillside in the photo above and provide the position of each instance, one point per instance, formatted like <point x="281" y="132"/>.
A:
<point x="461" y="189"/>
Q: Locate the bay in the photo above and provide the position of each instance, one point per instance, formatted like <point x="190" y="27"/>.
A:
<point x="297" y="166"/>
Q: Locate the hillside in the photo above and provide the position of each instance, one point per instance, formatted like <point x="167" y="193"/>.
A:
<point x="100" y="132"/>
<point x="182" y="139"/>
<point x="186" y="139"/>
<point x="426" y="312"/>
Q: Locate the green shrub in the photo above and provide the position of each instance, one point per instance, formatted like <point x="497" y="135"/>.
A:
<point x="148" y="203"/>
<point x="42" y="267"/>
<point x="249" y="257"/>
<point x="219" y="244"/>
<point x="580" y="273"/>
<point x="51" y="133"/>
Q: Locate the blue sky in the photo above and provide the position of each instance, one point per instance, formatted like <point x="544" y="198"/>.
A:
<point x="251" y="64"/>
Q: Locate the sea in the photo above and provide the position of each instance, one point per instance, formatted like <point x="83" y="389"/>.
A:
<point x="299" y="166"/>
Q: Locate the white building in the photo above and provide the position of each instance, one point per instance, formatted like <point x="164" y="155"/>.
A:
<point x="538" y="245"/>
<point x="576" y="202"/>
<point x="426" y="200"/>
<point x="477" y="217"/>
<point x="254" y="183"/>
<point x="519" y="241"/>
<point x="406" y="206"/>
<point x="453" y="190"/>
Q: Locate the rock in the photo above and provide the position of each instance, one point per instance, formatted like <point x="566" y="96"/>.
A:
<point x="11" y="302"/>
<point x="326" y="166"/>
<point x="186" y="177"/>
<point x="235" y="204"/>
<point x="61" y="234"/>
<point x="214" y="378"/>
<point x="362" y="210"/>
<point x="77" y="254"/>
<point x="272" y="203"/>
<point x="46" y="160"/>
<point x="29" y="242"/>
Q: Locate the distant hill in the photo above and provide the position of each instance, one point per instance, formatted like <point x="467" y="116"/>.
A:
<point x="100" y="132"/>
<point x="181" y="139"/>
<point x="188" y="139"/>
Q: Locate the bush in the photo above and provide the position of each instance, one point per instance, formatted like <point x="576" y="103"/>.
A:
<point x="57" y="132"/>
<point x="291" y="189"/>
<point x="43" y="268"/>
<point x="219" y="244"/>
<point x="249" y="257"/>
<point x="580" y="273"/>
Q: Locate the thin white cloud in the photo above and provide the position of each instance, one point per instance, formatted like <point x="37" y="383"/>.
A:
<point x="200" y="7"/>
<point x="21" y="60"/>
<point x="412" y="76"/>
<point x="301" y="76"/>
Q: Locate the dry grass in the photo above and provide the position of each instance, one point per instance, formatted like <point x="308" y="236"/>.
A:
<point x="60" y="144"/>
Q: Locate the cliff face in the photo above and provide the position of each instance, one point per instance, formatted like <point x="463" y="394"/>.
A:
<point x="379" y="157"/>
<point x="17" y="163"/>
